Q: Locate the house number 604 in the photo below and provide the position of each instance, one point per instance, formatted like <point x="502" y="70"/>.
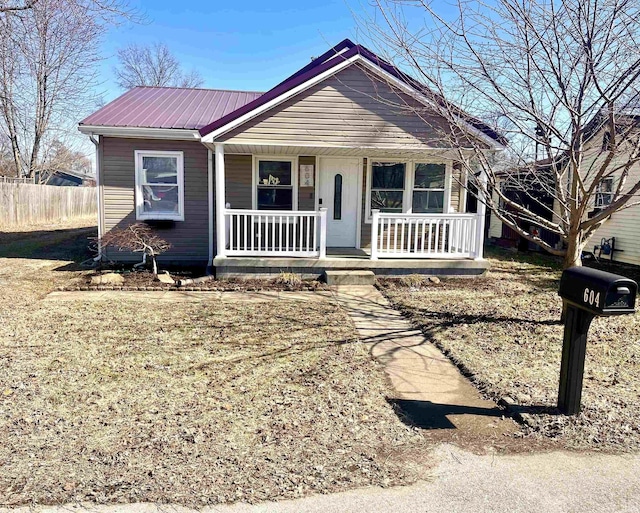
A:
<point x="591" y="297"/>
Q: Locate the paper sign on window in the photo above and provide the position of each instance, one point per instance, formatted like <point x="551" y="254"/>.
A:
<point x="307" y="175"/>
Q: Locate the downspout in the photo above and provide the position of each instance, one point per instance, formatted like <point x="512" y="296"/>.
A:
<point x="211" y="210"/>
<point x="98" y="195"/>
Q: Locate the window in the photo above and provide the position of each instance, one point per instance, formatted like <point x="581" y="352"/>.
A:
<point x="428" y="188"/>
<point x="387" y="186"/>
<point x="275" y="184"/>
<point x="337" y="197"/>
<point x="159" y="185"/>
<point x="604" y="193"/>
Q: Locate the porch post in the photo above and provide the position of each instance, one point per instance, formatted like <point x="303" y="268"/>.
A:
<point x="375" y="220"/>
<point x="323" y="233"/>
<point x="221" y="234"/>
<point x="482" y="208"/>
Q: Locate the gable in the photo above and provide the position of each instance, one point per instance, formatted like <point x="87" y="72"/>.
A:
<point x="352" y="108"/>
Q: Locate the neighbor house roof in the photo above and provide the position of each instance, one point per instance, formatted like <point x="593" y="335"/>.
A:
<point x="169" y="107"/>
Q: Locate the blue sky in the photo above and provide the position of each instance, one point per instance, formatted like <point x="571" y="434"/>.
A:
<point x="248" y="44"/>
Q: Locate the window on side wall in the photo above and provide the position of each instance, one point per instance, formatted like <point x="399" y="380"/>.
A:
<point x="604" y="193"/>
<point x="275" y="184"/>
<point x="387" y="186"/>
<point x="159" y="185"/>
<point x="428" y="188"/>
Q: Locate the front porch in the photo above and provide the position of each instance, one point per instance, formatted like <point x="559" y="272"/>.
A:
<point x="346" y="259"/>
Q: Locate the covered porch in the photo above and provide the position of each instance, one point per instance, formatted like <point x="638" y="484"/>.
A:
<point x="315" y="209"/>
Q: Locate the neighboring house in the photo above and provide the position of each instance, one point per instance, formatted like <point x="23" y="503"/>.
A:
<point x="304" y="177"/>
<point x="619" y="232"/>
<point x="68" y="178"/>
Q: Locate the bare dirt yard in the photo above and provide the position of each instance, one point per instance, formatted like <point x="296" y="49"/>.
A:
<point x="504" y="329"/>
<point x="189" y="403"/>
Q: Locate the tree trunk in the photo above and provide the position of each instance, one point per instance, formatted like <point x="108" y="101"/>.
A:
<point x="573" y="256"/>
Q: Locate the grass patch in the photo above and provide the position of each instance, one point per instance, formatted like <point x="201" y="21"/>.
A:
<point x="504" y="328"/>
<point x="189" y="403"/>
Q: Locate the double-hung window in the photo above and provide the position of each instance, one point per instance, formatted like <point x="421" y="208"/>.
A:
<point x="275" y="184"/>
<point x="604" y="193"/>
<point x="159" y="185"/>
<point x="428" y="188"/>
<point x="388" y="186"/>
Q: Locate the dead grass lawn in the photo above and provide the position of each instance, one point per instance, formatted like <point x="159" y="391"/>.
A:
<point x="505" y="329"/>
<point x="191" y="403"/>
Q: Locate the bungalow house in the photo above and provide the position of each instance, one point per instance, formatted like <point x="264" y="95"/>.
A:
<point x="343" y="165"/>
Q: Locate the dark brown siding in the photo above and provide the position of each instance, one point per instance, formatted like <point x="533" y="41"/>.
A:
<point x="238" y="180"/>
<point x="189" y="238"/>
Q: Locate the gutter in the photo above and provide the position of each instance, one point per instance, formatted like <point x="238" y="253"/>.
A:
<point x="96" y="143"/>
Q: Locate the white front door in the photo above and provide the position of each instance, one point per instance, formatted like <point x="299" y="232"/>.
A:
<point x="338" y="193"/>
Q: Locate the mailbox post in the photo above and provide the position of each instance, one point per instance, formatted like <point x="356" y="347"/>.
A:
<point x="587" y="293"/>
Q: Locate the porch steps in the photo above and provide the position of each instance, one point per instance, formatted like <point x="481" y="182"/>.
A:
<point x="349" y="277"/>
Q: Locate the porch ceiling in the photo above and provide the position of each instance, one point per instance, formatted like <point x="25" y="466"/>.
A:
<point x="261" y="149"/>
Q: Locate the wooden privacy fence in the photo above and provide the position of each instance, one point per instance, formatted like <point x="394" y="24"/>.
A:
<point x="23" y="204"/>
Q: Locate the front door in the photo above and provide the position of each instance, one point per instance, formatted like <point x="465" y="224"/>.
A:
<point x="338" y="193"/>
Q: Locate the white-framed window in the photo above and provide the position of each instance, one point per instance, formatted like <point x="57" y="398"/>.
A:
<point x="413" y="186"/>
<point x="428" y="188"/>
<point x="388" y="184"/>
<point x="604" y="193"/>
<point x="275" y="183"/>
<point x="159" y="185"/>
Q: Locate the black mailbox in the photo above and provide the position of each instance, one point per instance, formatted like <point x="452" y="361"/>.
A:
<point x="598" y="292"/>
<point x="587" y="293"/>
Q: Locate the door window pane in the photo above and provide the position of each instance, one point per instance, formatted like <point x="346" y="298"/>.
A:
<point x="337" y="197"/>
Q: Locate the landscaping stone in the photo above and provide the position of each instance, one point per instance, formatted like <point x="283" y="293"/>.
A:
<point x="108" y="278"/>
<point x="434" y="279"/>
<point x="165" y="277"/>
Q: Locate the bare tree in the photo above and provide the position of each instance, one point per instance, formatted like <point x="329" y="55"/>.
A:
<point x="17" y="6"/>
<point x="48" y="69"/>
<point x="555" y="78"/>
<point x="137" y="238"/>
<point x="152" y="65"/>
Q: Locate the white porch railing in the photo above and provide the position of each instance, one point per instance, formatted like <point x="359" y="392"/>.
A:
<point x="425" y="236"/>
<point x="282" y="233"/>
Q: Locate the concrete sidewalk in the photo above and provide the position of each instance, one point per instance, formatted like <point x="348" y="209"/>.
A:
<point x="428" y="388"/>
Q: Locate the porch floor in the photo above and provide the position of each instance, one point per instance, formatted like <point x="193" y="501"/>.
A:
<point x="347" y="259"/>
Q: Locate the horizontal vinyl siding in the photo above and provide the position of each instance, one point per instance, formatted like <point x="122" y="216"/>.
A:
<point x="189" y="239"/>
<point x="351" y="108"/>
<point x="238" y="180"/>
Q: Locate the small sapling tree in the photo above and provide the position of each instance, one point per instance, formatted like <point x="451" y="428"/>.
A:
<point x="137" y="238"/>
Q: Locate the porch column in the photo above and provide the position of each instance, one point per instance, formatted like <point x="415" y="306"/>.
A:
<point x="482" y="209"/>
<point x="221" y="234"/>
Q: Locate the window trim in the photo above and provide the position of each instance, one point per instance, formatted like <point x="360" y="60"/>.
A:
<point x="294" y="179"/>
<point x="139" y="196"/>
<point x="409" y="179"/>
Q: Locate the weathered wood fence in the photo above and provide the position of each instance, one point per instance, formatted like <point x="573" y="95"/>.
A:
<point x="24" y="204"/>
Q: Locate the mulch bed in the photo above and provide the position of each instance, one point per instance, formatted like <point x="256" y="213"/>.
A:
<point x="145" y="281"/>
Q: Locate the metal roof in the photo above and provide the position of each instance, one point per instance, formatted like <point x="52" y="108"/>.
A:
<point x="169" y="107"/>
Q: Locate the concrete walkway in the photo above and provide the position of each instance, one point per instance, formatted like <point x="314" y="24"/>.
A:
<point x="429" y="389"/>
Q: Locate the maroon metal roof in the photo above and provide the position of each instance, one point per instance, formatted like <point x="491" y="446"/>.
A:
<point x="169" y="107"/>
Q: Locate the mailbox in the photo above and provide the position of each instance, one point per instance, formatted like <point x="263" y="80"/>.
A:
<point x="586" y="293"/>
<point x="598" y="292"/>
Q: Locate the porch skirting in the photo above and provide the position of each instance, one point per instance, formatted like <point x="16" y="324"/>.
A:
<point x="231" y="267"/>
